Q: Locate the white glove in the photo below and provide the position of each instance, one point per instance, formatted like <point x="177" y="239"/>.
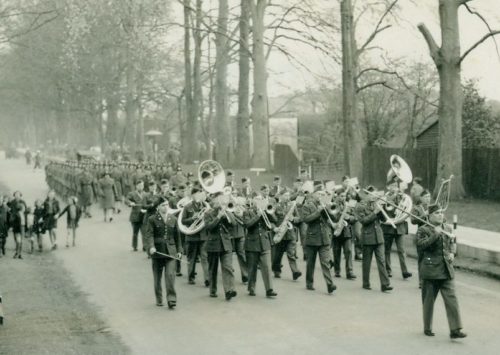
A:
<point x="178" y="256"/>
<point x="152" y="251"/>
<point x="452" y="257"/>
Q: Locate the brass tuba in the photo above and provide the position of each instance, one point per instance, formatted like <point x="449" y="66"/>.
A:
<point x="401" y="170"/>
<point x="212" y="179"/>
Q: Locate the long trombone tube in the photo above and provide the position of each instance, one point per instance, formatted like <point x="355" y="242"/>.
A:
<point x="409" y="213"/>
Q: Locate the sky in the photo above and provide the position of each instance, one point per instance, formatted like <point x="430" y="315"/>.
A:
<point x="403" y="40"/>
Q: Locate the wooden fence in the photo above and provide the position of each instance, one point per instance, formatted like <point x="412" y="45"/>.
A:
<point x="480" y="168"/>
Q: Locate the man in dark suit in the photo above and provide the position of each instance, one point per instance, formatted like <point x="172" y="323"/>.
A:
<point x="438" y="252"/>
<point x="318" y="239"/>
<point x="135" y="200"/>
<point x="368" y="213"/>
<point x="161" y="237"/>
<point x="218" y="225"/>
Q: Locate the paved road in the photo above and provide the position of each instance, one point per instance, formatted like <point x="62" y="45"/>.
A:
<point x="352" y="321"/>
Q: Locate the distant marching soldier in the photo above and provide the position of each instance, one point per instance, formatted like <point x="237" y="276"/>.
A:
<point x="85" y="191"/>
<point x="420" y="213"/>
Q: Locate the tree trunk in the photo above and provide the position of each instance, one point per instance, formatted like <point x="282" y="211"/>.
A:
<point x="130" y="108"/>
<point x="353" y="139"/>
<point x="242" y="134"/>
<point x="112" y="123"/>
<point x="191" y="131"/>
<point x="447" y="61"/>
<point x="223" y="130"/>
<point x="197" y="91"/>
<point x="260" y="119"/>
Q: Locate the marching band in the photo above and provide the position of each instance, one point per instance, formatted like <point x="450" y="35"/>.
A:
<point x="210" y="219"/>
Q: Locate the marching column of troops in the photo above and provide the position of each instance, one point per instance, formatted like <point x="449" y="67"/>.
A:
<point x="326" y="219"/>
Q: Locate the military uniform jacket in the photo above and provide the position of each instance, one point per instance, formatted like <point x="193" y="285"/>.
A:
<point x="161" y="234"/>
<point x="347" y="231"/>
<point x="421" y="212"/>
<point x="319" y="231"/>
<point x="371" y="232"/>
<point x="435" y="248"/>
<point x="401" y="228"/>
<point x="219" y="233"/>
<point x="281" y="211"/>
<point x="258" y="238"/>
<point x="135" y="213"/>
<point x="190" y="214"/>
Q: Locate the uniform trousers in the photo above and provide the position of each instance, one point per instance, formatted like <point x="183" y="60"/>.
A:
<point x="430" y="290"/>
<point x="193" y="250"/>
<point x="136" y="228"/>
<point x="324" y="258"/>
<point x="368" y="251"/>
<point x="226" y="263"/>
<point x="340" y="243"/>
<point x="167" y="265"/>
<point x="290" y="248"/>
<point x="262" y="258"/>
<point x="239" y="249"/>
<point x="398" y="238"/>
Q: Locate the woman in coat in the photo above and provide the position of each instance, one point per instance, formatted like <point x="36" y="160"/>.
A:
<point x="107" y="194"/>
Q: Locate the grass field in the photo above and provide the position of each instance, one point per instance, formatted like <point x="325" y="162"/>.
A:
<point x="479" y="214"/>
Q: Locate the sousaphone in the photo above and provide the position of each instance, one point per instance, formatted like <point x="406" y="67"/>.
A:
<point x="212" y="179"/>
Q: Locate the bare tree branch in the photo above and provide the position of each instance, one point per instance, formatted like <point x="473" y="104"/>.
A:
<point x="473" y="12"/>
<point x="475" y="45"/>
<point x="433" y="47"/>
<point x="378" y="27"/>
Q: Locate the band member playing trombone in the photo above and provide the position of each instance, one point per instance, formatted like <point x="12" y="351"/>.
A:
<point x="289" y="242"/>
<point x="420" y="213"/>
<point x="318" y="238"/>
<point x="239" y="233"/>
<point x="161" y="237"/>
<point x="395" y="194"/>
<point x="369" y="213"/>
<point x="195" y="243"/>
<point x="259" y="223"/>
<point x="218" y="224"/>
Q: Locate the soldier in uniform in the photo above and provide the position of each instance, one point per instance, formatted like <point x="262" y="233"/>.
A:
<point x="288" y="244"/>
<point x="343" y="241"/>
<point x="421" y="210"/>
<point x="238" y="234"/>
<point x="258" y="248"/>
<point x="161" y="237"/>
<point x="85" y="191"/>
<point x="368" y="213"/>
<point x="318" y="239"/>
<point x="195" y="243"/>
<point x="395" y="193"/>
<point x="135" y="200"/>
<point x="218" y="225"/>
<point x="438" y="251"/>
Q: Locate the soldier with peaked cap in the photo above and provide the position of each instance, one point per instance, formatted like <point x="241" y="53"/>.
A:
<point x="369" y="214"/>
<point x="438" y="252"/>
<point x="318" y="239"/>
<point x="162" y="238"/>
